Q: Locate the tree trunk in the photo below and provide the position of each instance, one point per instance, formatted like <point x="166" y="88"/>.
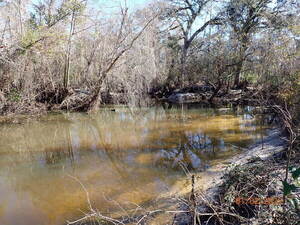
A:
<point x="216" y="91"/>
<point x="67" y="62"/>
<point x="240" y="63"/>
<point x="237" y="73"/>
<point x="183" y="62"/>
<point x="96" y="99"/>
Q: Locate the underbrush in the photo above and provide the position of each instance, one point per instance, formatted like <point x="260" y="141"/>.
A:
<point x="250" y="194"/>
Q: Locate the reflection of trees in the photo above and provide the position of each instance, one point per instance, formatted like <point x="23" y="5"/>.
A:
<point x="44" y="142"/>
<point x="211" y="139"/>
<point x="116" y="135"/>
<point x="60" y="154"/>
<point x="102" y="150"/>
<point x="107" y="148"/>
<point x="56" y="146"/>
<point x="169" y="135"/>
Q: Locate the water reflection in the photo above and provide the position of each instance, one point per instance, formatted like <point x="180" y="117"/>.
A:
<point x="125" y="156"/>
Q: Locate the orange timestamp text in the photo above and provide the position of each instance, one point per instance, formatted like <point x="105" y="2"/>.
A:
<point x="259" y="201"/>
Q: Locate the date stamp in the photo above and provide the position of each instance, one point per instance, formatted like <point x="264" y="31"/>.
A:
<point x="259" y="201"/>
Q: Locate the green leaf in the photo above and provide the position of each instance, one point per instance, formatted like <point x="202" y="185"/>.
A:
<point x="288" y="188"/>
<point x="296" y="173"/>
<point x="291" y="168"/>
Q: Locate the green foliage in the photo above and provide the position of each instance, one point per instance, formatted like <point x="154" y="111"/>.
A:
<point x="291" y="90"/>
<point x="289" y="188"/>
<point x="295" y="172"/>
<point x="251" y="77"/>
<point x="14" y="95"/>
<point x="172" y="43"/>
<point x="245" y="15"/>
<point x="30" y="37"/>
<point x="42" y="15"/>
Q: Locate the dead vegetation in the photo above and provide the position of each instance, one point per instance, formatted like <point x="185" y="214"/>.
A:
<point x="258" y="192"/>
<point x="258" y="179"/>
<point x="51" y="49"/>
<point x="64" y="55"/>
<point x="249" y="194"/>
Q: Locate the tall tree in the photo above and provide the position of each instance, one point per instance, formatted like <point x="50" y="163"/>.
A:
<point x="125" y="39"/>
<point x="186" y="15"/>
<point x="245" y="18"/>
<point x="49" y="12"/>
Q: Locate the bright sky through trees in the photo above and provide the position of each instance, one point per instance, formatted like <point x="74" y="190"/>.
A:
<point x="112" y="3"/>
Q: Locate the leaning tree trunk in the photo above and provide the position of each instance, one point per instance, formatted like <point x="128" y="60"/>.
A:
<point x="96" y="99"/>
<point x="216" y="91"/>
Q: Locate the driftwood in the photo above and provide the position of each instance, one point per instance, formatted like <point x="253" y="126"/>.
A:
<point x="209" y="94"/>
<point x="186" y="97"/>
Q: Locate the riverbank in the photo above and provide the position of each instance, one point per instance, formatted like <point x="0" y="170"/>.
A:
<point x="72" y="100"/>
<point x="215" y="196"/>
<point x="251" y="158"/>
<point x="207" y="94"/>
<point x="247" y="191"/>
<point x="272" y="145"/>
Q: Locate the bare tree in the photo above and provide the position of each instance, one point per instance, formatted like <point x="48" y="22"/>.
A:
<point x="123" y="43"/>
<point x="75" y="8"/>
<point x="185" y="15"/>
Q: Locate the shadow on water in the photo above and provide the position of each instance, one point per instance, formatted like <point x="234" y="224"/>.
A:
<point x="128" y="156"/>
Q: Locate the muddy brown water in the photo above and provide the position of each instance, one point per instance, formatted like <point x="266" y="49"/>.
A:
<point x="124" y="158"/>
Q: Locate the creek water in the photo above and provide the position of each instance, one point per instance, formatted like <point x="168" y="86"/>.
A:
<point x="123" y="158"/>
